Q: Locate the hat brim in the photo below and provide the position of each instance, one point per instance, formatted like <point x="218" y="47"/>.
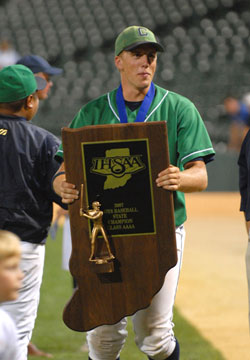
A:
<point x="52" y="71"/>
<point x="41" y="83"/>
<point x="158" y="46"/>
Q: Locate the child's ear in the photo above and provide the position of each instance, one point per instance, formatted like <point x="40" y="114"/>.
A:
<point x="29" y="102"/>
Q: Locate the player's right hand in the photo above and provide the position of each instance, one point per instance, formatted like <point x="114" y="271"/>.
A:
<point x="68" y="192"/>
<point x="65" y="190"/>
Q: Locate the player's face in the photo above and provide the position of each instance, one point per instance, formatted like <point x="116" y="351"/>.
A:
<point x="10" y="278"/>
<point x="232" y="106"/>
<point x="137" y="67"/>
<point x="43" y="94"/>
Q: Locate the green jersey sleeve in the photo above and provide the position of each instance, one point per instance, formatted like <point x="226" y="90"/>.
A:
<point x="193" y="139"/>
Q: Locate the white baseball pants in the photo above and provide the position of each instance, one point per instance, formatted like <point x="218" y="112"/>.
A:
<point x="153" y="326"/>
<point x="24" y="310"/>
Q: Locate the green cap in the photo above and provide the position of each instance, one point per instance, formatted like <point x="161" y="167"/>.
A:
<point x="134" y="36"/>
<point x="17" y="82"/>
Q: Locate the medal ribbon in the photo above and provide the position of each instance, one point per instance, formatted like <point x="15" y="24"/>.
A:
<point x="141" y="116"/>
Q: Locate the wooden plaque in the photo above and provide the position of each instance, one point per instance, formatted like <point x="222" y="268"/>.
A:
<point x="117" y="165"/>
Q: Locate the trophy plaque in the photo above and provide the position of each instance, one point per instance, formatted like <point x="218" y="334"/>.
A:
<point x="122" y="225"/>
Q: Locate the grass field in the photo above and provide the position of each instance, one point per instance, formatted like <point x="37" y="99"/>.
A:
<point x="53" y="336"/>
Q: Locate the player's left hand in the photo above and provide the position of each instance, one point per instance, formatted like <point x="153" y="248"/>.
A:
<point x="169" y="179"/>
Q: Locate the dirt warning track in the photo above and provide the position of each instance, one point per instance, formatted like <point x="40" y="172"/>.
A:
<point x="212" y="292"/>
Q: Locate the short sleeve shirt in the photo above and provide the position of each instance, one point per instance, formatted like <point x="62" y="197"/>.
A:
<point x="8" y="337"/>
<point x="187" y="136"/>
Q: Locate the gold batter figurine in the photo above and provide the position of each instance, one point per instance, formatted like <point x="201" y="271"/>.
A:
<point x="96" y="215"/>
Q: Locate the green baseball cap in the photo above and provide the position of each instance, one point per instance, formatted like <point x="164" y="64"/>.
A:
<point x="17" y="82"/>
<point x="134" y="36"/>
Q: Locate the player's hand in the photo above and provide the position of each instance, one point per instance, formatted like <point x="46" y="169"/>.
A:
<point x="65" y="190"/>
<point x="68" y="192"/>
<point x="169" y="179"/>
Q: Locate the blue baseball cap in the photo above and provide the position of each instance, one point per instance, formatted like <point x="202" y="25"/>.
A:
<point x="38" y="64"/>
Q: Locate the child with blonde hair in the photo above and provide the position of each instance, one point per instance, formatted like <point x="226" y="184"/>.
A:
<point x="10" y="283"/>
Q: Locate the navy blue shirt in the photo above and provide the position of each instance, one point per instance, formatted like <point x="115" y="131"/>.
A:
<point x="244" y="176"/>
<point x="27" y="165"/>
